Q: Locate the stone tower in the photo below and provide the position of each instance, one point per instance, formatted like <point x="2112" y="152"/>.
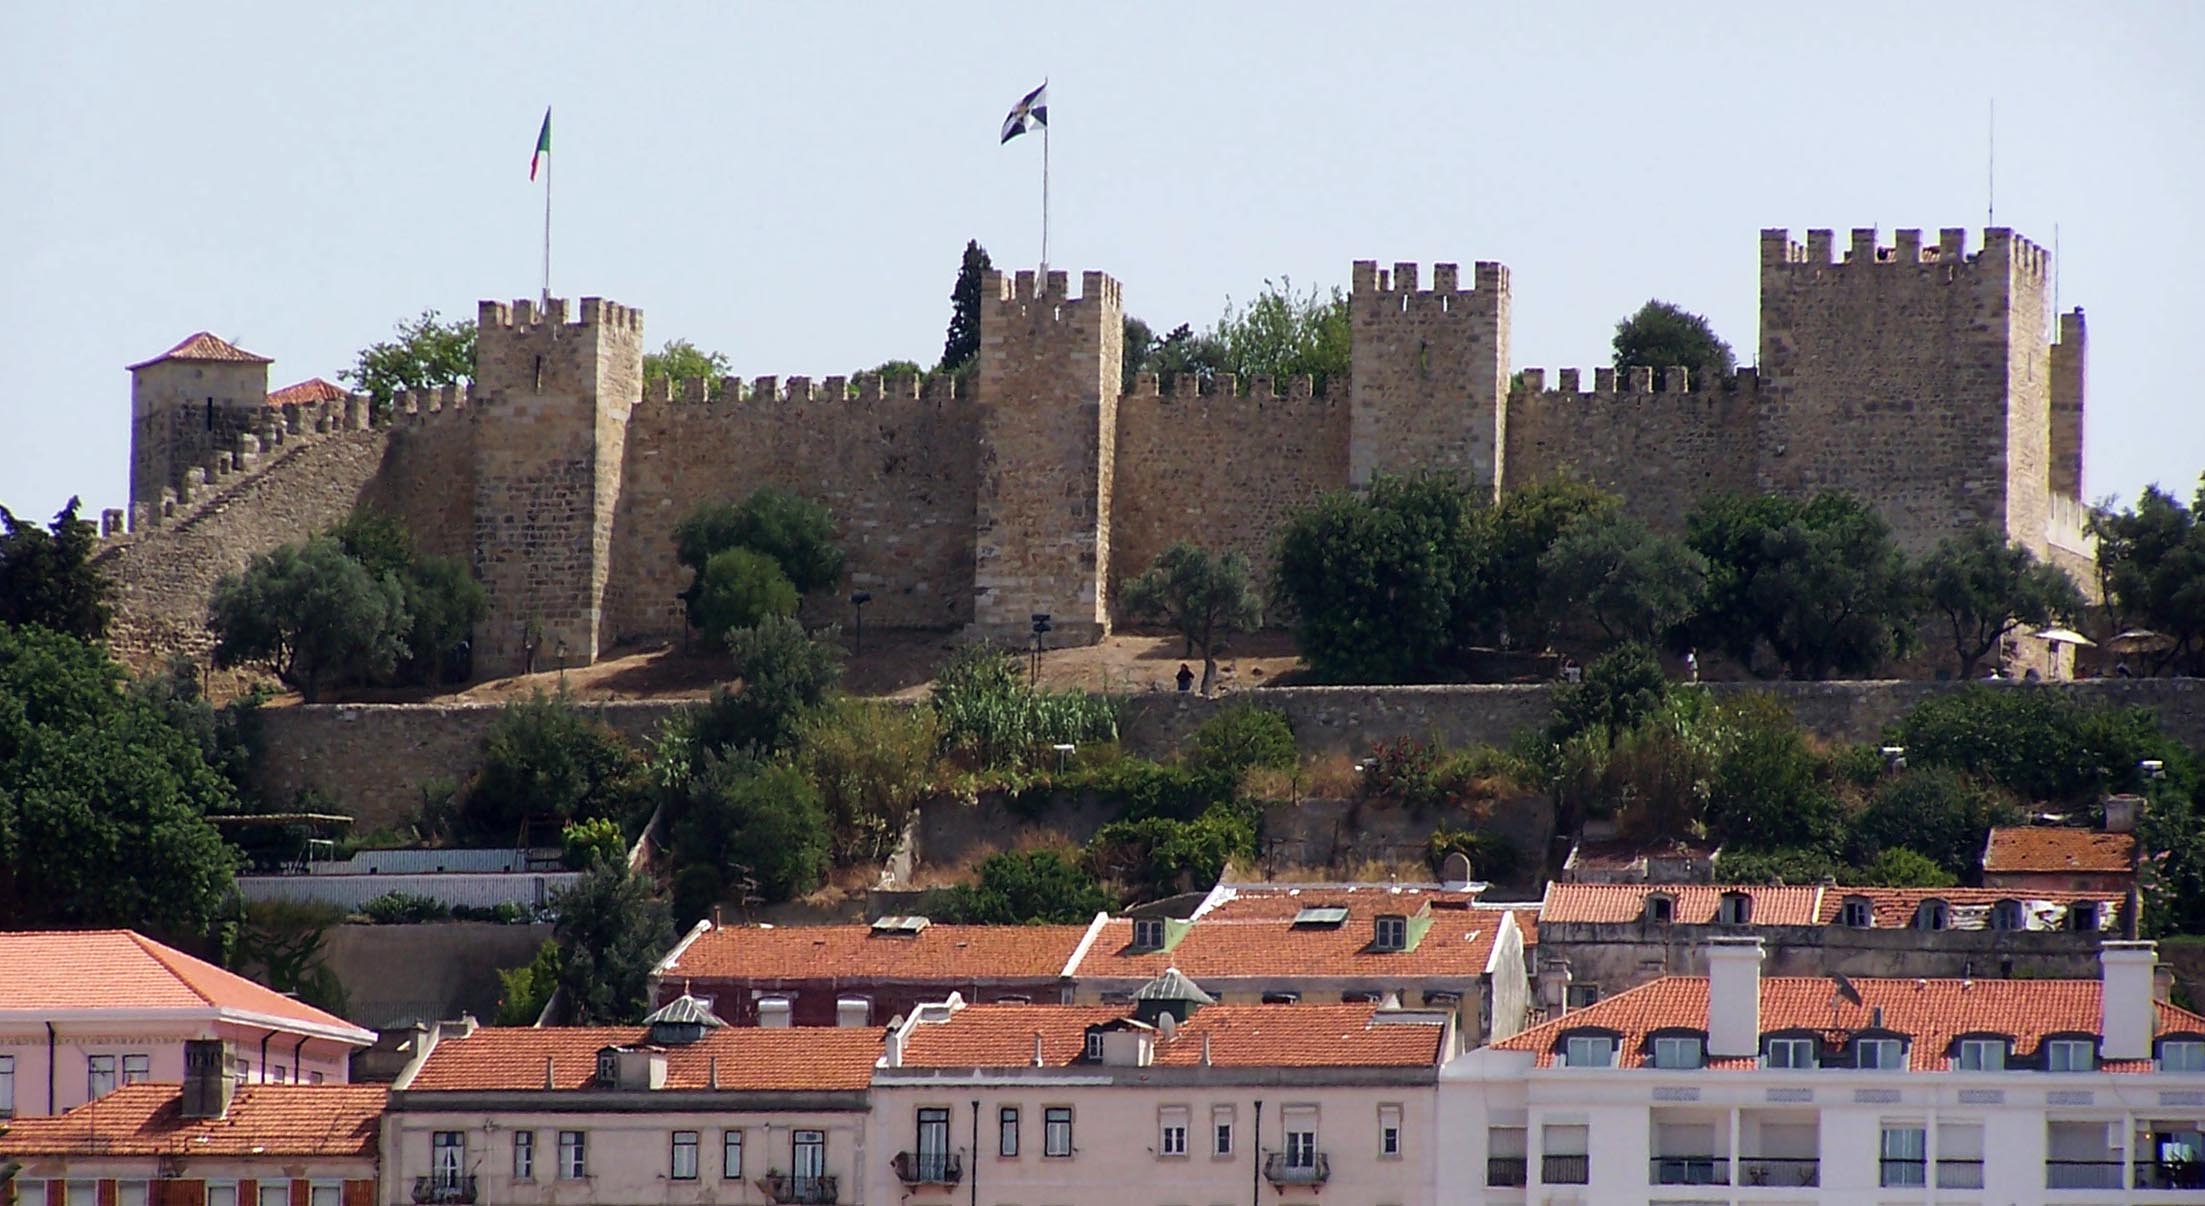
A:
<point x="1916" y="375"/>
<point x="550" y="407"/>
<point x="187" y="404"/>
<point x="1049" y="378"/>
<point x="1430" y="374"/>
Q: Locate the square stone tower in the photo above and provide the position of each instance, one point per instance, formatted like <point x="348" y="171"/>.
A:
<point x="550" y="405"/>
<point x="1049" y="378"/>
<point x="1430" y="374"/>
<point x="188" y="404"/>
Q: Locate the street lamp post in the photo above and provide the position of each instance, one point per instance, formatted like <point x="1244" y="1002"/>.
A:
<point x="1041" y="627"/>
<point x="858" y="601"/>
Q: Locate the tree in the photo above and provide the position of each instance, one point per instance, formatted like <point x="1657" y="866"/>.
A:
<point x="872" y="762"/>
<point x="1769" y="790"/>
<point x="1511" y="538"/>
<point x="286" y="943"/>
<point x="785" y="673"/>
<point x="796" y="533"/>
<point x="1939" y="813"/>
<point x="584" y="844"/>
<point x="1281" y="334"/>
<point x="1242" y="738"/>
<point x="1206" y="598"/>
<point x="1634" y="584"/>
<point x="1382" y="584"/>
<point x="103" y="805"/>
<point x="1179" y="351"/>
<point x="739" y="589"/>
<point x="1621" y="688"/>
<point x="1663" y="336"/>
<point x="611" y="931"/>
<point x="2151" y="564"/>
<point x="524" y="991"/>
<point x="315" y="615"/>
<point x="1820" y="581"/>
<point x="758" y="825"/>
<point x="443" y="601"/>
<point x="680" y="360"/>
<point x="961" y="347"/>
<point x="427" y="353"/>
<point x="1986" y="586"/>
<point x="47" y="577"/>
<point x="2040" y="745"/>
<point x="1037" y="887"/>
<point x="545" y="762"/>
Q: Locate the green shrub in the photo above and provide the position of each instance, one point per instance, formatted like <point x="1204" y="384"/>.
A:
<point x="1899" y="867"/>
<point x="697" y="888"/>
<point x="1157" y="856"/>
<point x="785" y="671"/>
<point x="404" y="908"/>
<point x="872" y="762"/>
<point x="1768" y="789"/>
<point x="547" y="763"/>
<point x="1242" y="738"/>
<point x="2039" y="744"/>
<point x="1621" y="688"/>
<point x="1771" y="866"/>
<point x="739" y="589"/>
<point x="1491" y="856"/>
<point x="987" y="714"/>
<point x="1037" y="887"/>
<point x="762" y="828"/>
<point x="1937" y="812"/>
<point x="525" y="990"/>
<point x="587" y="843"/>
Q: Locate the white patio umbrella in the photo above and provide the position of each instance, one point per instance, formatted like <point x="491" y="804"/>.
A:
<point x="2063" y="636"/>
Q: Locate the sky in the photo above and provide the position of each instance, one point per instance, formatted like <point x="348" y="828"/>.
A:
<point x="791" y="185"/>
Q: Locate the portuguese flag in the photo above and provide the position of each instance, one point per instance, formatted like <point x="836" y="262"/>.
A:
<point x="543" y="146"/>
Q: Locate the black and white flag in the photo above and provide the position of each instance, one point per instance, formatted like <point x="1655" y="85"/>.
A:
<point x="1029" y="112"/>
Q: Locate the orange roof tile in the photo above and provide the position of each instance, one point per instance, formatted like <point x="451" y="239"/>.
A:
<point x="1932" y="1012"/>
<point x="1244" y="1036"/>
<point x="1695" y="903"/>
<point x="1625" y="854"/>
<point x="313" y="389"/>
<point x="1894" y="908"/>
<point x="2047" y="848"/>
<point x="204" y="346"/>
<point x="130" y="974"/>
<point x="263" y="1120"/>
<point x="1526" y="915"/>
<point x="956" y="954"/>
<point x="519" y="1057"/>
<point x="1245" y="901"/>
<point x="1226" y="944"/>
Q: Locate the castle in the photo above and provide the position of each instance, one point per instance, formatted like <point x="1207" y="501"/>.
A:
<point x="1917" y="375"/>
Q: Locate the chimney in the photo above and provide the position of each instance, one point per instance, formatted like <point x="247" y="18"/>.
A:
<point x="207" y="1082"/>
<point x="1734" y="997"/>
<point x="2126" y="1009"/>
<point x="1039" y="1062"/>
<point x="2121" y="813"/>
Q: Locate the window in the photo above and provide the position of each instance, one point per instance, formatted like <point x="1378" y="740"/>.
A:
<point x="1390" y="933"/>
<point x="682" y="1160"/>
<point x="1735" y="908"/>
<point x="1882" y="1053"/>
<point x="775" y="1013"/>
<point x="33" y="1192"/>
<point x="1221" y="1130"/>
<point x="1171" y="1131"/>
<point x="731" y="1155"/>
<point x="1905" y="1156"/>
<point x="1282" y="998"/>
<point x="808" y="1157"/>
<point x="1056" y="1131"/>
<point x="2082" y="915"/>
<point x="316" y="1078"/>
<point x="137" y="1069"/>
<point x="853" y="1012"/>
<point x="99" y="1075"/>
<point x="1006" y="1131"/>
<point x="1856" y="913"/>
<point x="1677" y="1051"/>
<point x="244" y="1071"/>
<point x="84" y="1193"/>
<point x="2006" y="915"/>
<point x="1931" y="915"/>
<point x="1980" y="1055"/>
<point x="219" y="1193"/>
<point x="1589" y="1051"/>
<point x="1389" y="1132"/>
<point x="934" y="1144"/>
<point x="1504" y="1156"/>
<point x="574" y="1155"/>
<point x="275" y="1193"/>
<point x="524" y="1156"/>
<point x="448" y="1152"/>
<point x="1790" y="1053"/>
<point x="276" y="1075"/>
<point x="608" y="1067"/>
<point x="326" y="1193"/>
<point x="1661" y="908"/>
<point x="2070" y="1055"/>
<point x="1092" y="1052"/>
<point x="1148" y="933"/>
<point x="1578" y="996"/>
<point x="7" y="1086"/>
<point x="1301" y="1145"/>
<point x="130" y="1193"/>
<point x="2182" y="1055"/>
<point x="1562" y="1148"/>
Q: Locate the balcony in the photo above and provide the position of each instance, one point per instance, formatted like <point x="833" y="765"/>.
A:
<point x="929" y="1168"/>
<point x="1564" y="1170"/>
<point x="1959" y="1174"/>
<point x="1781" y="1172"/>
<point x="2168" y="1174"/>
<point x="2082" y="1174"/>
<point x="798" y="1191"/>
<point x="445" y="1187"/>
<point x="1503" y="1171"/>
<point x="1691" y="1170"/>
<point x="1282" y="1169"/>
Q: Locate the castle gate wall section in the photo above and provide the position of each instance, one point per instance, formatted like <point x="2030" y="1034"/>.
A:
<point x="1663" y="451"/>
<point x="896" y="471"/>
<point x="1222" y="470"/>
<point x="1429" y="373"/>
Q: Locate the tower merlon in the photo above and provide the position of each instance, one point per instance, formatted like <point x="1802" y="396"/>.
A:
<point x="1908" y="247"/>
<point x="525" y="312"/>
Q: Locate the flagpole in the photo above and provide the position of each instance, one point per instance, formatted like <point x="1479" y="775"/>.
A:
<point x="547" y="228"/>
<point x="1045" y="195"/>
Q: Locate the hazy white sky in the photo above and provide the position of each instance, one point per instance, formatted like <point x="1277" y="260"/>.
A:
<point x="792" y="184"/>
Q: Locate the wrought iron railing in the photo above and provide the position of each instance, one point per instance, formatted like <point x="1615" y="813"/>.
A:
<point x="929" y="1168"/>
<point x="1691" y="1170"/>
<point x="1506" y="1170"/>
<point x="798" y="1191"/>
<point x="2082" y="1174"/>
<point x="445" y="1188"/>
<point x="1564" y="1170"/>
<point x="1780" y="1171"/>
<point x="1285" y="1168"/>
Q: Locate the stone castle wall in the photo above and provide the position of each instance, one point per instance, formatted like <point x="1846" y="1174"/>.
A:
<point x="1429" y="373"/>
<point x="1662" y="450"/>
<point x="1223" y="469"/>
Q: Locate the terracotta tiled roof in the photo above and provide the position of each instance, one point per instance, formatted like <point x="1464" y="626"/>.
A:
<point x="947" y="954"/>
<point x="263" y="1120"/>
<point x="2047" y="848"/>
<point x="1620" y="854"/>
<point x="1245" y="901"/>
<point x="56" y="970"/>
<point x="1245" y="1036"/>
<point x="1526" y="915"/>
<point x="516" y="1057"/>
<point x="313" y="389"/>
<point x="1932" y="1012"/>
<point x="205" y="345"/>
<point x="1696" y="903"/>
<point x="1894" y="908"/>
<point x="1229" y="943"/>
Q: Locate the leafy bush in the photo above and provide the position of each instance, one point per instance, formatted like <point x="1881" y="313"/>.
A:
<point x="611" y="930"/>
<point x="785" y="671"/>
<point x="547" y="763"/>
<point x="1899" y="867"/>
<point x="525" y="990"/>
<point x="871" y="762"/>
<point x="1034" y="888"/>
<point x="404" y="908"/>
<point x="739" y="589"/>
<point x="588" y="843"/>
<point x="1383" y="584"/>
<point x="987" y="714"/>
<point x="1621" y="688"/>
<point x="1768" y="789"/>
<point x="1241" y="738"/>
<point x="762" y="828"/>
<point x="774" y="530"/>
<point x="2039" y="744"/>
<point x="1934" y="811"/>
<point x="1157" y="856"/>
<point x="1771" y="866"/>
<point x="1491" y="855"/>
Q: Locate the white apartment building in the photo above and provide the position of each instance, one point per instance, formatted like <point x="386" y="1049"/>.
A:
<point x="1739" y="1089"/>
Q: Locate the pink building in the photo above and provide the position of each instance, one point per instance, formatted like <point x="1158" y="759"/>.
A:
<point x="83" y="1013"/>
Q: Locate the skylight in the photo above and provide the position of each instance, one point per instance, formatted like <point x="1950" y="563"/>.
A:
<point x="1322" y="915"/>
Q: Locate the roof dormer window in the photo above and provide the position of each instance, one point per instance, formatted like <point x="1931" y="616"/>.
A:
<point x="2083" y="915"/>
<point x="1390" y="932"/>
<point x="1888" y="1054"/>
<point x="1856" y="913"/>
<point x="1735" y="908"/>
<point x="1980" y="1054"/>
<point x="1932" y="914"/>
<point x="1661" y="908"/>
<point x="1148" y="933"/>
<point x="1788" y="1053"/>
<point x="608" y="1067"/>
<point x="2006" y="915"/>
<point x="1677" y="1050"/>
<point x="1589" y="1051"/>
<point x="2070" y="1055"/>
<point x="1092" y="1052"/>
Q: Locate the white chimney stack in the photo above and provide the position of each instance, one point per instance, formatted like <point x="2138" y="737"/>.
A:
<point x="2127" y="1007"/>
<point x="1734" y="997"/>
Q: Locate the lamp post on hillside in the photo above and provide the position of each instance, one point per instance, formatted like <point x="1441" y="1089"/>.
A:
<point x="1041" y="627"/>
<point x="858" y="600"/>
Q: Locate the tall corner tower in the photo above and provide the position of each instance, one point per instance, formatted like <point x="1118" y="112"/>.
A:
<point x="550" y="404"/>
<point x="1049" y="383"/>
<point x="188" y="404"/>
<point x="1430" y="374"/>
<point x="1917" y="376"/>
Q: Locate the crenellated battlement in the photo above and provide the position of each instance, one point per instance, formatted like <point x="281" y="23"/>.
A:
<point x="1371" y="285"/>
<point x="2000" y="244"/>
<point x="1025" y="287"/>
<point x="1531" y="383"/>
<point x="1189" y="386"/>
<point x="864" y="389"/>
<point x="416" y="408"/>
<point x="524" y="313"/>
